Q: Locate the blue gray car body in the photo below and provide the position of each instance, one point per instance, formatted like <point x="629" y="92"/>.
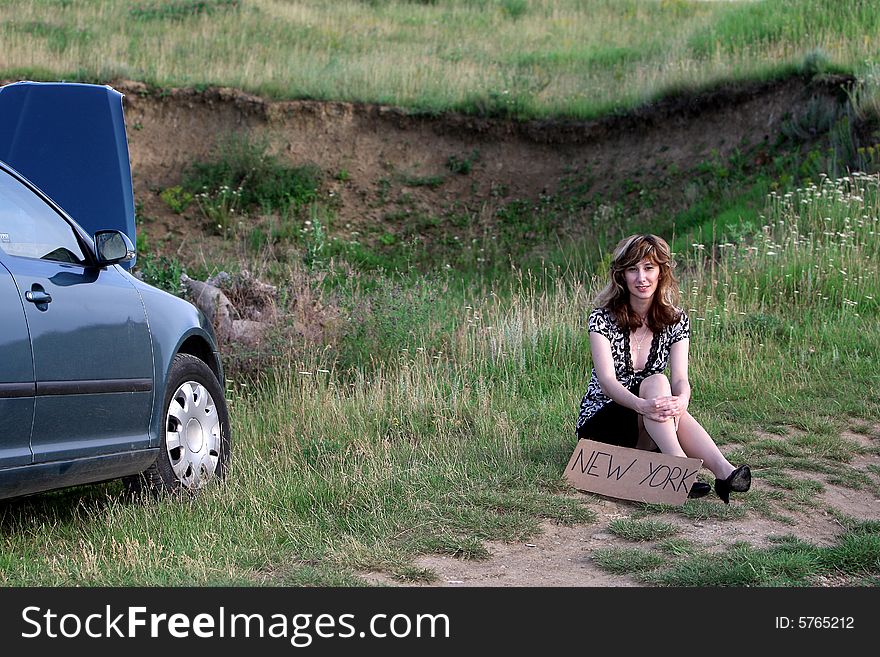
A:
<point x="85" y="347"/>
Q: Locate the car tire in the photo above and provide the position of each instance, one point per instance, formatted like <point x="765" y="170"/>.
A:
<point x="195" y="432"/>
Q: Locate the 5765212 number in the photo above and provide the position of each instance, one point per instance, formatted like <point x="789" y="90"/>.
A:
<point x="815" y="622"/>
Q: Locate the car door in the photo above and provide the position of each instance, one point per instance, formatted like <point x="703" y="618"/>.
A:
<point x="92" y="355"/>
<point x="16" y="376"/>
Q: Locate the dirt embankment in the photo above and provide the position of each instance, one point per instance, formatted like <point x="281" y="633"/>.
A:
<point x="379" y="160"/>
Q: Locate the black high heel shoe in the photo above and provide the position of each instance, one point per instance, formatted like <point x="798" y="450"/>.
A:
<point x="699" y="489"/>
<point x="740" y="480"/>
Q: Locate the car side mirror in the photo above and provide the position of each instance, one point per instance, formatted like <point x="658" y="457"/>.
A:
<point x="112" y="246"/>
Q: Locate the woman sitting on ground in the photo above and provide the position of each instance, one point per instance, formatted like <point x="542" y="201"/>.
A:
<point x="636" y="330"/>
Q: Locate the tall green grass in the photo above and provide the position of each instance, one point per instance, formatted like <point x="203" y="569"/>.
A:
<point x="461" y="436"/>
<point x="546" y="57"/>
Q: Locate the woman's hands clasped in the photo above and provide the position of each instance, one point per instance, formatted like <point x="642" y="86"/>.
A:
<point x="661" y="409"/>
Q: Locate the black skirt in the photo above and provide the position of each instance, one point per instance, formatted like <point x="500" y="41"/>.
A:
<point x="613" y="424"/>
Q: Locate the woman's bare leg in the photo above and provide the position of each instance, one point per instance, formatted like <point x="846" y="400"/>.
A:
<point x="697" y="443"/>
<point x="689" y="439"/>
<point x="662" y="433"/>
<point x="645" y="442"/>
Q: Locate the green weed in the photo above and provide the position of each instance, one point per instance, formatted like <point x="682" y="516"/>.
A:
<point x="515" y="8"/>
<point x="462" y="165"/>
<point x="243" y="175"/>
<point x="59" y="38"/>
<point x="161" y="271"/>
<point x="423" y="181"/>
<point x="180" y="9"/>
<point x="790" y="562"/>
<point x="641" y="530"/>
<point x="176" y="199"/>
<point x="410" y="575"/>
<point x="627" y="561"/>
<point x="678" y="547"/>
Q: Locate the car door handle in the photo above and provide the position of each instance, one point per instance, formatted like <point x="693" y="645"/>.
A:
<point x="38" y="296"/>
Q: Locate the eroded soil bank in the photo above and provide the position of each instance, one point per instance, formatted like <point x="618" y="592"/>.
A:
<point x="384" y="166"/>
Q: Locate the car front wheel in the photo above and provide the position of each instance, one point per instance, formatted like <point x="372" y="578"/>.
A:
<point x="195" y="431"/>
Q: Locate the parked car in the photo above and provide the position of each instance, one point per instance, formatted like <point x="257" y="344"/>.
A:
<point x="101" y="375"/>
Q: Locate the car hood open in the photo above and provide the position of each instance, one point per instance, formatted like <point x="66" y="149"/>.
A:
<point x="69" y="140"/>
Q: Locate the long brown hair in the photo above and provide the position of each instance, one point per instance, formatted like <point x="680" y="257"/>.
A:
<point x="664" y="309"/>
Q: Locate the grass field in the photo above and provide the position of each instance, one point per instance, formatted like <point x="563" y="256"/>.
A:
<point x="443" y="417"/>
<point x="544" y="58"/>
<point x="460" y="435"/>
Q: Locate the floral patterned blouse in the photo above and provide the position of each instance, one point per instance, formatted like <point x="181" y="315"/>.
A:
<point x="602" y="322"/>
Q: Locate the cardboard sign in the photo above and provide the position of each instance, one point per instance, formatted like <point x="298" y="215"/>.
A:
<point x="631" y="474"/>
